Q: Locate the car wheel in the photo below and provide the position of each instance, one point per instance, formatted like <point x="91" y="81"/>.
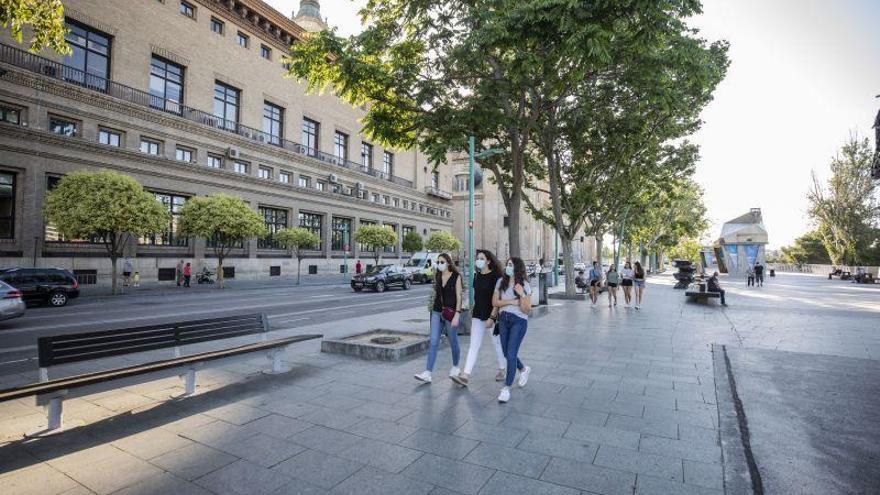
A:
<point x="57" y="299"/>
<point x="380" y="286"/>
<point x="407" y="284"/>
<point x="358" y="289"/>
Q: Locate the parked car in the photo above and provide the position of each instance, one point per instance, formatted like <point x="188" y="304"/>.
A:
<point x="52" y="286"/>
<point x="11" y="304"/>
<point x="379" y="278"/>
<point x="421" y="266"/>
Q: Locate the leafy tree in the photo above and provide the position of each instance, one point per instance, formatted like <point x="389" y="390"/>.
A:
<point x="687" y="248"/>
<point x="44" y="19"/>
<point x="808" y="248"/>
<point x="377" y="238"/>
<point x="412" y="242"/>
<point x="846" y="209"/>
<point x="224" y="221"/>
<point x="442" y="242"/>
<point x="297" y="240"/>
<point x="104" y="205"/>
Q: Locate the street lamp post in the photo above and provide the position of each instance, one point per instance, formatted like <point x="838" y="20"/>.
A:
<point x="472" y="250"/>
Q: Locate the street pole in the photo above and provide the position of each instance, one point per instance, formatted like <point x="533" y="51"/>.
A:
<point x="556" y="258"/>
<point x="471" y="248"/>
<point x="345" y="254"/>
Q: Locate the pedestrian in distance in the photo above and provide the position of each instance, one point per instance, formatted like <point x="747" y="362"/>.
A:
<point x="358" y="268"/>
<point x="126" y="271"/>
<point x="179" y="273"/>
<point x="639" y="283"/>
<point x="759" y="274"/>
<point x="595" y="278"/>
<point x="484" y="316"/>
<point x="713" y="286"/>
<point x="612" y="278"/>
<point x="445" y="315"/>
<point x="513" y="299"/>
<point x="137" y="279"/>
<point x="187" y="274"/>
<point x="626" y="282"/>
<point x="750" y="277"/>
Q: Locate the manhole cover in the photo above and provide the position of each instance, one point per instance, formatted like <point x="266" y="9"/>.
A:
<point x="386" y="340"/>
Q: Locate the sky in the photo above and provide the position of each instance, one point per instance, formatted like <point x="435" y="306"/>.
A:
<point x="802" y="78"/>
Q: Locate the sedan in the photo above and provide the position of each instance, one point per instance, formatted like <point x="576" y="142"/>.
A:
<point x="379" y="278"/>
<point x="11" y="304"/>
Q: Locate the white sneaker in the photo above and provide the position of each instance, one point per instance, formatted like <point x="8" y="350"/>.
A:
<point x="504" y="396"/>
<point x="524" y="376"/>
<point x="454" y="371"/>
<point x="424" y="376"/>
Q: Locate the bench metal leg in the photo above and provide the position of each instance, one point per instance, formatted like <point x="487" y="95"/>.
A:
<point x="189" y="381"/>
<point x="54" y="419"/>
<point x="278" y="365"/>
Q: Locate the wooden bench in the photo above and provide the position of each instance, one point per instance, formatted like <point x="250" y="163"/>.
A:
<point x="700" y="292"/>
<point x="88" y="346"/>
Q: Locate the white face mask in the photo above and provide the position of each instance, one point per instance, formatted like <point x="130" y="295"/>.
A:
<point x="509" y="270"/>
<point x="441" y="267"/>
<point x="480" y="264"/>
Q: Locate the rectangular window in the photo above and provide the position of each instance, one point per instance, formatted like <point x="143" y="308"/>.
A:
<point x="7" y="205"/>
<point x="241" y="168"/>
<point x="405" y="204"/>
<point x="265" y="172"/>
<point x="386" y="200"/>
<point x="304" y="181"/>
<point x="273" y="122"/>
<point x="397" y="202"/>
<point x="375" y="198"/>
<point x="310" y="130"/>
<point x="366" y="156"/>
<point x="226" y="100"/>
<point x="340" y="146"/>
<point x="150" y="146"/>
<point x="391" y="249"/>
<point x="284" y="177"/>
<point x="62" y="126"/>
<point x="406" y="229"/>
<point x="242" y="39"/>
<point x="214" y="161"/>
<point x="320" y="185"/>
<point x="10" y="114"/>
<point x="110" y="138"/>
<point x="166" y="85"/>
<point x="188" y="10"/>
<point x="184" y="154"/>
<point x="173" y="204"/>
<point x="275" y="220"/>
<point x="341" y="234"/>
<point x="313" y="223"/>
<point x="387" y="163"/>
<point x="217" y="26"/>
<point x="266" y="52"/>
<point x="90" y="56"/>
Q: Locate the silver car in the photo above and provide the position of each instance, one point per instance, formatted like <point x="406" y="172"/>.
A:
<point x="11" y="304"/>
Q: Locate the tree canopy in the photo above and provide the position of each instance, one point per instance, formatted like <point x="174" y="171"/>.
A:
<point x="44" y="19"/>
<point x="377" y="238"/>
<point x="297" y="240"/>
<point x="808" y="248"/>
<point x="442" y="242"/>
<point x="412" y="242"/>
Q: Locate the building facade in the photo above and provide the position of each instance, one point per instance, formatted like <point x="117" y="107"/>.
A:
<point x="742" y="243"/>
<point x="190" y="98"/>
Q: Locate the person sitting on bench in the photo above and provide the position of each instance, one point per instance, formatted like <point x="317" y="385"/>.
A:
<point x="580" y="281"/>
<point x="835" y="272"/>
<point x="714" y="286"/>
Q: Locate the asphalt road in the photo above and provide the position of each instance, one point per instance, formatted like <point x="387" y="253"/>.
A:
<point x="287" y="307"/>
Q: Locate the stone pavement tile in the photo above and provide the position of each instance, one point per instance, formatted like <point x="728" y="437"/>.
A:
<point x="434" y="421"/>
<point x="639" y="462"/>
<point x="243" y="478"/>
<point x="511" y="484"/>
<point x="163" y="483"/>
<point x="648" y="485"/>
<point x="276" y="425"/>
<point x="325" y="439"/>
<point x="119" y="400"/>
<point x="106" y="474"/>
<point x="290" y="408"/>
<point x="378" y="429"/>
<point x="456" y="475"/>
<point x="151" y="443"/>
<point x="39" y="479"/>
<point x="703" y="474"/>
<point x="318" y="468"/>
<point x="507" y="459"/>
<point x="536" y="424"/>
<point x="79" y="490"/>
<point x="300" y="487"/>
<point x="559" y="447"/>
<point x="379" y="410"/>
<point x="690" y="433"/>
<point x="337" y="402"/>
<point x="576" y="415"/>
<point x="663" y="401"/>
<point x="237" y="414"/>
<point x="214" y="434"/>
<point x="187" y="423"/>
<point x="14" y="457"/>
<point x="682" y="449"/>
<point x="331" y="418"/>
<point x="442" y="444"/>
<point x="261" y="449"/>
<point x="604" y="435"/>
<point x="590" y="478"/>
<point x="374" y="482"/>
<point x="704" y="419"/>
<point x="641" y="425"/>
<point x="193" y="461"/>
<point x="14" y="408"/>
<point x="15" y="428"/>
<point x="381" y="455"/>
<point x="444" y="491"/>
<point x="522" y="405"/>
<point x="485" y="432"/>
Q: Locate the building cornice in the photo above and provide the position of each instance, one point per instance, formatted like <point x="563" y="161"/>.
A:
<point x="259" y="18"/>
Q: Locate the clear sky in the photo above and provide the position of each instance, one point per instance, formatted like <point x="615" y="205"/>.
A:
<point x="803" y="76"/>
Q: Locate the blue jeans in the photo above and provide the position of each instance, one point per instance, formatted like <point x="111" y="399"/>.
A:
<point x="438" y="324"/>
<point x="513" y="331"/>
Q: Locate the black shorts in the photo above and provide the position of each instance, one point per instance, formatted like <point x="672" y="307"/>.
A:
<point x="594" y="283"/>
<point x="612" y="285"/>
<point x="126" y="274"/>
<point x="627" y="283"/>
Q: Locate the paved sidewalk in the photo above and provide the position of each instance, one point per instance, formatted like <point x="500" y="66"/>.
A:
<point x="620" y="402"/>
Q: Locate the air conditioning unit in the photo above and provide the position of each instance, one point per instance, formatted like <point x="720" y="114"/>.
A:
<point x="360" y="186"/>
<point x="233" y="153"/>
<point x="334" y="179"/>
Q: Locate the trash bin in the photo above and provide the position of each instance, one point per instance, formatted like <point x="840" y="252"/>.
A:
<point x="542" y="288"/>
<point x="772" y="272"/>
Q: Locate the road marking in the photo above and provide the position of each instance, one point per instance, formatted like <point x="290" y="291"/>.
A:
<point x="17" y="360"/>
<point x="318" y="310"/>
<point x="17" y="349"/>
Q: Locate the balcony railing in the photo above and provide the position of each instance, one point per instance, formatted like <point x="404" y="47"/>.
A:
<point x="436" y="191"/>
<point x="49" y="68"/>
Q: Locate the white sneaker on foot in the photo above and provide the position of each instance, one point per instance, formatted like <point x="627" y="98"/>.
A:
<point x="524" y="376"/>
<point x="424" y="376"/>
<point x="504" y="396"/>
<point x="454" y="371"/>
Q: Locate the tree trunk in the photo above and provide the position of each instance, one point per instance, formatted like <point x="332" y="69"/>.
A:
<point x="513" y="227"/>
<point x="113" y="273"/>
<point x="568" y="264"/>
<point x="599" y="250"/>
<point x="298" y="268"/>
<point x="220" y="272"/>
<point x="377" y="255"/>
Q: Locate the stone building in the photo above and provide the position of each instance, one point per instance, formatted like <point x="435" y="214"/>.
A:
<point x="742" y="242"/>
<point x="189" y="97"/>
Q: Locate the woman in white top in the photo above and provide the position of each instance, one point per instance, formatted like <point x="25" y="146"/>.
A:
<point x="627" y="282"/>
<point x="512" y="298"/>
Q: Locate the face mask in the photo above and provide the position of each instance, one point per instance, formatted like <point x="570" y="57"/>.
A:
<point x="480" y="264"/>
<point x="441" y="267"/>
<point x="508" y="270"/>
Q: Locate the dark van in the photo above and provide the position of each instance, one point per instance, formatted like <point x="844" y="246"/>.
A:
<point x="52" y="286"/>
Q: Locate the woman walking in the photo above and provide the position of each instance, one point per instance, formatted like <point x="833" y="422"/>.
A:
<point x="627" y="282"/>
<point x="445" y="315"/>
<point x="612" y="278"/>
<point x="483" y="316"/>
<point x="512" y="298"/>
<point x="639" y="283"/>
